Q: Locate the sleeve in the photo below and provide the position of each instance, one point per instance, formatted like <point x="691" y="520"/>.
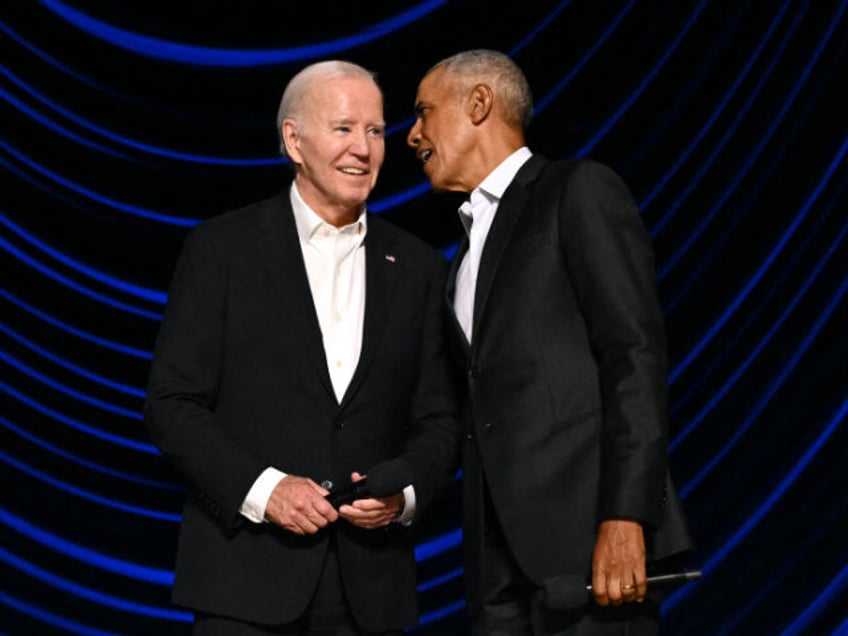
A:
<point x="184" y="383"/>
<point x="610" y="261"/>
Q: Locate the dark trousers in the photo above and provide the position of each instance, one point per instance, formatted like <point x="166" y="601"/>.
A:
<point x="514" y="606"/>
<point x="328" y="613"/>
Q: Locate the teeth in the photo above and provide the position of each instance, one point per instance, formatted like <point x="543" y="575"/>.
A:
<point x="426" y="155"/>
<point x="356" y="171"/>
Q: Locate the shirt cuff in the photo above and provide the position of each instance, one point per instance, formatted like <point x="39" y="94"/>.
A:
<point x="253" y="506"/>
<point x="408" y="513"/>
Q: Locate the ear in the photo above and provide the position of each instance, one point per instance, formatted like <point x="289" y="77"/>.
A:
<point x="291" y="138"/>
<point x="480" y="101"/>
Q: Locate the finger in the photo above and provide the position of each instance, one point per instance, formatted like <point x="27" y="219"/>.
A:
<point x="599" y="588"/>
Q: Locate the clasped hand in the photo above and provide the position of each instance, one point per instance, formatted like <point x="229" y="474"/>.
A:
<point x="298" y="505"/>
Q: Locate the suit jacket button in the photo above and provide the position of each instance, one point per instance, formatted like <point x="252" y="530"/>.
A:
<point x="327" y="483"/>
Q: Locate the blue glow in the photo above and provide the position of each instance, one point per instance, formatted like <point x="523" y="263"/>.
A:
<point x="85" y="555"/>
<point x="539" y="28"/>
<point x="742" y="295"/>
<point x="396" y="199"/>
<point x="66" y="390"/>
<point x="67" y="282"/>
<point x="833" y="592"/>
<point x="62" y="362"/>
<point x="99" y="198"/>
<point x="138" y="145"/>
<point x="87" y="495"/>
<point x="144" y="293"/>
<point x="79" y="333"/>
<point x="542" y="103"/>
<point x="424" y="551"/>
<point x="728" y="384"/>
<point x="208" y="56"/>
<point x="743" y="171"/>
<point x="774" y="56"/>
<point x="89" y="594"/>
<point x="86" y="463"/>
<point x="612" y="121"/>
<point x="441" y="612"/>
<point x="79" y="426"/>
<point x="761" y="511"/>
<point x="49" y="618"/>
<point x="769" y="393"/>
<point x="439" y="580"/>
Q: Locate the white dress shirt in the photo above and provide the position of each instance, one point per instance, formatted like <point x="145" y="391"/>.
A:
<point x="335" y="266"/>
<point x="477" y="215"/>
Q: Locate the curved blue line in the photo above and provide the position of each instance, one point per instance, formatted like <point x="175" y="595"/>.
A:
<point x="87" y="593"/>
<point x="539" y="28"/>
<point x="49" y="618"/>
<point x="761" y="511"/>
<point x="542" y="103"/>
<point x="833" y="592"/>
<point x="439" y="580"/>
<point x="86" y="463"/>
<point x="589" y="145"/>
<point x="132" y="143"/>
<point x="401" y="197"/>
<point x="438" y="545"/>
<point x="441" y="612"/>
<point x="787" y="311"/>
<point x="66" y="390"/>
<point x="645" y="202"/>
<point x="67" y="364"/>
<point x="67" y="282"/>
<point x="152" y="295"/>
<point x="79" y="333"/>
<point x="740" y="297"/>
<point x="79" y="426"/>
<point x="743" y="171"/>
<point x="775" y="385"/>
<point x="84" y="494"/>
<point x="210" y="56"/>
<point x="85" y="555"/>
<point x="112" y="203"/>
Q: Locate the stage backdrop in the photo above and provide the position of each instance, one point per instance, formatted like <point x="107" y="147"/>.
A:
<point x="125" y="123"/>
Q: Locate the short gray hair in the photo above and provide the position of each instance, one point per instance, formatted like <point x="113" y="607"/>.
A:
<point x="498" y="71"/>
<point x="297" y="90"/>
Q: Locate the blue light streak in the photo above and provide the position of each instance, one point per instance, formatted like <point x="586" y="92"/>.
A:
<point x="86" y="463"/>
<point x="835" y="591"/>
<point x="106" y="600"/>
<point x="87" y="495"/>
<point x="445" y="542"/>
<point x="151" y="295"/>
<point x="50" y="618"/>
<point x="66" y="390"/>
<point x="79" y="333"/>
<point x="209" y="56"/>
<point x="79" y="426"/>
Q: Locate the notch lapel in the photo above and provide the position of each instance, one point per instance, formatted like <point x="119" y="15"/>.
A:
<point x="381" y="272"/>
<point x="279" y="248"/>
<point x="506" y="218"/>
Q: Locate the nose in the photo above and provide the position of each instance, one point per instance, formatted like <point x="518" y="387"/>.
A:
<point x="414" y="136"/>
<point x="359" y="144"/>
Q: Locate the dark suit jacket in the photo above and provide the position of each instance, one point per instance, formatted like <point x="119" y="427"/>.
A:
<point x="239" y="382"/>
<point x="566" y="377"/>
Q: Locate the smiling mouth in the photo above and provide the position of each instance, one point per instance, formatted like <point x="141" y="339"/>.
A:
<point x="424" y="155"/>
<point x="358" y="172"/>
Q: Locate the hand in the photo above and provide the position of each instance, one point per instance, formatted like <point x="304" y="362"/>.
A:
<point x="618" y="564"/>
<point x="298" y="505"/>
<point x="371" y="513"/>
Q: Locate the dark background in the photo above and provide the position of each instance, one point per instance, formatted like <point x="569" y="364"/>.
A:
<point x="123" y="123"/>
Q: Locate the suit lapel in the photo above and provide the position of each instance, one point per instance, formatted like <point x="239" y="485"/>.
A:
<point x="279" y="249"/>
<point x="450" y="290"/>
<point x="509" y="210"/>
<point x="381" y="271"/>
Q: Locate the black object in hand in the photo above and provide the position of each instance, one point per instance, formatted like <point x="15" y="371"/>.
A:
<point x="349" y="493"/>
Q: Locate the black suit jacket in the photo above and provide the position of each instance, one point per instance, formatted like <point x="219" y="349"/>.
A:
<point x="565" y="415"/>
<point x="239" y="382"/>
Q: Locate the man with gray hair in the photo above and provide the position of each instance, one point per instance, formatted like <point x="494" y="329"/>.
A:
<point x="559" y="335"/>
<point x="300" y="387"/>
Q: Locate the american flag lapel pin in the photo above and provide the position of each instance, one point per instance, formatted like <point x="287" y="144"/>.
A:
<point x="390" y="258"/>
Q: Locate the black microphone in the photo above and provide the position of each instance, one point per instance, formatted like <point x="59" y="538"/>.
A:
<point x="569" y="591"/>
<point x="384" y="479"/>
